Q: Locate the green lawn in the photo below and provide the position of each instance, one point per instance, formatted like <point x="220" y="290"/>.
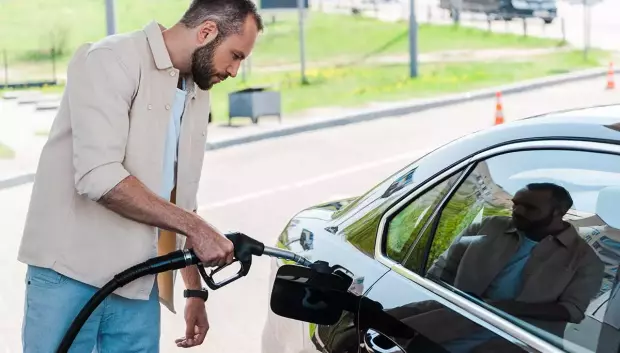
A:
<point x="356" y="85"/>
<point x="6" y="152"/>
<point x="35" y="26"/>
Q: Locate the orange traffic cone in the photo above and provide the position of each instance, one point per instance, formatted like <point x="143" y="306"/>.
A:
<point x="499" y="111"/>
<point x="610" y="77"/>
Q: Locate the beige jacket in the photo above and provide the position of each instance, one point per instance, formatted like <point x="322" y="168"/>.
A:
<point x="111" y="123"/>
<point x="563" y="269"/>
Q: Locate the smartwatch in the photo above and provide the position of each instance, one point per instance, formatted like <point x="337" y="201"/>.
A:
<point x="196" y="293"/>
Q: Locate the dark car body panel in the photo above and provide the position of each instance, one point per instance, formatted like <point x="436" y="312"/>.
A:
<point x="354" y="223"/>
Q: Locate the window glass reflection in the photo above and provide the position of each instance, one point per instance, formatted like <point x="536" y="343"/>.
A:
<point x="527" y="233"/>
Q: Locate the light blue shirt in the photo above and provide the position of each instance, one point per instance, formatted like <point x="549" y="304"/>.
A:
<point x="505" y="286"/>
<point x="172" y="143"/>
<point x="507" y="283"/>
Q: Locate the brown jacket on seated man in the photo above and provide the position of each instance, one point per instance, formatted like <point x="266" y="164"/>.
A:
<point x="532" y="265"/>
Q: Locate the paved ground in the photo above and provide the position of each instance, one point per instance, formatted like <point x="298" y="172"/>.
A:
<point x="20" y="129"/>
<point x="257" y="187"/>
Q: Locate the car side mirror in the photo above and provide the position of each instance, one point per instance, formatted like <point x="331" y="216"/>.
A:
<point x="304" y="294"/>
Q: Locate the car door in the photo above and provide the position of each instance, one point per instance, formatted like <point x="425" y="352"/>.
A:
<point x="442" y="317"/>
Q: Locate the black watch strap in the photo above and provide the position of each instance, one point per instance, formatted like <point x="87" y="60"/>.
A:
<point x="196" y="293"/>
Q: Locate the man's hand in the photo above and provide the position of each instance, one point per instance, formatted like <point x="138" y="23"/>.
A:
<point x="196" y="324"/>
<point x="211" y="246"/>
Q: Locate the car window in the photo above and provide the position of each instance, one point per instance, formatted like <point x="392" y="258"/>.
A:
<point x="508" y="239"/>
<point x="405" y="225"/>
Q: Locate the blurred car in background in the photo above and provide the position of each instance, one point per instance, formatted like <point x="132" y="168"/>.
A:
<point x="504" y="9"/>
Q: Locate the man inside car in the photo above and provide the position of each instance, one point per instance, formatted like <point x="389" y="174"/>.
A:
<point x="533" y="265"/>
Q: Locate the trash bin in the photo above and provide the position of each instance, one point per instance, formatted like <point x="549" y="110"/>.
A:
<point x="253" y="103"/>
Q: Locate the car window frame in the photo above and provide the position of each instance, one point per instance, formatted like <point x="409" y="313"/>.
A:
<point x="489" y="316"/>
<point x="462" y="168"/>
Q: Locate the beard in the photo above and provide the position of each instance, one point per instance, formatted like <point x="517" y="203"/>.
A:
<point x="203" y="69"/>
<point x="526" y="225"/>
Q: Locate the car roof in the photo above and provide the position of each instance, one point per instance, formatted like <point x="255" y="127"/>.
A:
<point x="588" y="123"/>
<point x="599" y="124"/>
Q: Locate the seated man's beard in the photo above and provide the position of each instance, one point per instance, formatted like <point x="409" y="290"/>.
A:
<point x="527" y="225"/>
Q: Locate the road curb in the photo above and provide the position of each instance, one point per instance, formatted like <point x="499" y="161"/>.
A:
<point x="408" y="108"/>
<point x="380" y="113"/>
<point x="16" y="181"/>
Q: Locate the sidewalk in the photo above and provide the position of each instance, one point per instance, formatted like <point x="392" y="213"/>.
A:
<point x="464" y="55"/>
<point x="23" y="128"/>
<point x="19" y="128"/>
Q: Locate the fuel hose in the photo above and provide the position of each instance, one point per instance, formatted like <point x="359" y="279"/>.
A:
<point x="173" y="261"/>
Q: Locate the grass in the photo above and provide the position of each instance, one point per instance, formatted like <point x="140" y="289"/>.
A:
<point x="355" y="39"/>
<point x="35" y="26"/>
<point x="6" y="152"/>
<point x="357" y="85"/>
<point x="354" y="86"/>
<point x="42" y="132"/>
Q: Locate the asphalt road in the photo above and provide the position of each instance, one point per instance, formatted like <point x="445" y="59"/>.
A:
<point x="257" y="187"/>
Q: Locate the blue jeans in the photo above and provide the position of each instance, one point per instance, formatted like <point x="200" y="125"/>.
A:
<point x="117" y="325"/>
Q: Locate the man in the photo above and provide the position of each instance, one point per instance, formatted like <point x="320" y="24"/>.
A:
<point x="118" y="179"/>
<point x="533" y="265"/>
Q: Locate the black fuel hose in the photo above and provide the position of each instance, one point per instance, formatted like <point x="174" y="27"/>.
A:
<point x="245" y="247"/>
<point x="175" y="260"/>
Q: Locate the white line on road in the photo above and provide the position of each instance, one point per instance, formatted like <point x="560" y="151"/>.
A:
<point x="311" y="181"/>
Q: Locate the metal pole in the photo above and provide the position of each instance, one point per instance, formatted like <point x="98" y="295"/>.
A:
<point x="54" y="66"/>
<point x="586" y="29"/>
<point x="429" y="14"/>
<point x="302" y="44"/>
<point x="6" y="68"/>
<point x="413" y="41"/>
<point x="110" y="17"/>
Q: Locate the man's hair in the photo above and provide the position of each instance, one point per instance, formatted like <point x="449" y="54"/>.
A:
<point x="229" y="15"/>
<point x="559" y="194"/>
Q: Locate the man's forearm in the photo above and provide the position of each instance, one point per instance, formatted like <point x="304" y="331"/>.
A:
<point x="540" y="311"/>
<point x="190" y="274"/>
<point x="132" y="199"/>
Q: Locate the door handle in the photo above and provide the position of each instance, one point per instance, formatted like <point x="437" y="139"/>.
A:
<point x="375" y="342"/>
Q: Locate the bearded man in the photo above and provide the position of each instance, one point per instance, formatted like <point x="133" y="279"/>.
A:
<point x="532" y="265"/>
<point x="118" y="178"/>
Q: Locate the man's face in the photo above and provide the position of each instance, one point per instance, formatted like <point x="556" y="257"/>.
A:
<point x="221" y="58"/>
<point x="533" y="210"/>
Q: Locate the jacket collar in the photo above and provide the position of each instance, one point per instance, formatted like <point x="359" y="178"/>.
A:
<point x="160" y="53"/>
<point x="158" y="47"/>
